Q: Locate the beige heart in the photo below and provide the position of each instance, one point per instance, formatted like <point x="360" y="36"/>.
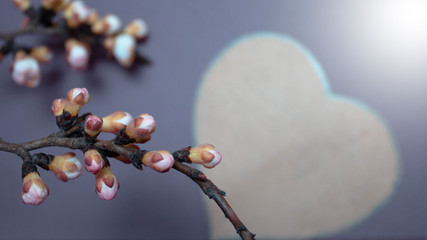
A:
<point x="298" y="161"/>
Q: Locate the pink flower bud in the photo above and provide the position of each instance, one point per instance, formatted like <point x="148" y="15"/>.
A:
<point x="115" y="122"/>
<point x="124" y="49"/>
<point x="108" y="25"/>
<point x="76" y="54"/>
<point x="22" y="5"/>
<point x="137" y="28"/>
<point x="93" y="161"/>
<point x="93" y="125"/>
<point x="41" y="54"/>
<point x="141" y="126"/>
<point x="77" y="13"/>
<point x="78" y="96"/>
<point x="58" y="106"/>
<point x="161" y="161"/>
<point x="66" y="167"/>
<point x="106" y="184"/>
<point x="124" y="159"/>
<point x="34" y="190"/>
<point x="206" y="155"/>
<point x="25" y="70"/>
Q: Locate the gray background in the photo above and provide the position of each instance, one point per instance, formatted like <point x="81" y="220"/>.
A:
<point x="370" y="51"/>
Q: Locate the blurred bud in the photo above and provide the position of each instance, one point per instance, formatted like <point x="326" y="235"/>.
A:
<point x="41" y="54"/>
<point x="124" y="49"/>
<point x="93" y="161"/>
<point x="123" y="158"/>
<point x="58" y="106"/>
<point x="115" y="122"/>
<point x="106" y="184"/>
<point x="137" y="28"/>
<point x="34" y="190"/>
<point x="54" y="5"/>
<point x="25" y="70"/>
<point x="93" y="125"/>
<point x="161" y="161"/>
<point x="108" y="25"/>
<point x="93" y="17"/>
<point x="66" y="167"/>
<point x="206" y="155"/>
<point x="22" y="5"/>
<point x="78" y="96"/>
<point x="109" y="45"/>
<point x="141" y="126"/>
<point x="77" y="13"/>
<point x="76" y="54"/>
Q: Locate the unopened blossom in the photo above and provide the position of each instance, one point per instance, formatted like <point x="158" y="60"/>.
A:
<point x="25" y="70"/>
<point x="205" y="154"/>
<point x="110" y="24"/>
<point x="93" y="125"/>
<point x="77" y="13"/>
<point x="41" y="54"/>
<point x="161" y="161"/>
<point x="141" y="126"/>
<point x="76" y="99"/>
<point x="137" y="28"/>
<point x="77" y="54"/>
<point x="116" y="121"/>
<point x="22" y="5"/>
<point x="58" y="106"/>
<point x="55" y="5"/>
<point x="124" y="49"/>
<point x="93" y="161"/>
<point x="106" y="184"/>
<point x="123" y="158"/>
<point x="66" y="167"/>
<point x="34" y="190"/>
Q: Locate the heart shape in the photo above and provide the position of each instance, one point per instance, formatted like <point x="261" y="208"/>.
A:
<point x="298" y="160"/>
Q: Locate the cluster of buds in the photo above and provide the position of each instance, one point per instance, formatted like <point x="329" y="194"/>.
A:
<point x="81" y="27"/>
<point x="128" y="131"/>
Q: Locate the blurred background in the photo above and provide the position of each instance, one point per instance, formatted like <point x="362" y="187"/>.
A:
<point x="372" y="51"/>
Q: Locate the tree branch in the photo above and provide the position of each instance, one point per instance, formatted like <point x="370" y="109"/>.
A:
<point x="58" y="139"/>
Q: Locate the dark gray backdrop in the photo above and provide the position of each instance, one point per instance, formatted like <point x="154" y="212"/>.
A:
<point x="369" y="51"/>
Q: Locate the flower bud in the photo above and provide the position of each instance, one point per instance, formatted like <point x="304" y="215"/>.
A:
<point x="54" y="5"/>
<point x="22" y="5"/>
<point x="141" y="126"/>
<point x="66" y="167"/>
<point x="137" y="28"/>
<point x="161" y="161"/>
<point x="115" y="122"/>
<point x="78" y="96"/>
<point x="206" y="155"/>
<point x="106" y="184"/>
<point x="123" y="158"/>
<point x="41" y="54"/>
<point x="58" y="106"/>
<point x="124" y="49"/>
<point x="34" y="190"/>
<point x="108" y="25"/>
<point x="25" y="70"/>
<point x="93" y="125"/>
<point x="76" y="54"/>
<point x="77" y="13"/>
<point x="93" y="161"/>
